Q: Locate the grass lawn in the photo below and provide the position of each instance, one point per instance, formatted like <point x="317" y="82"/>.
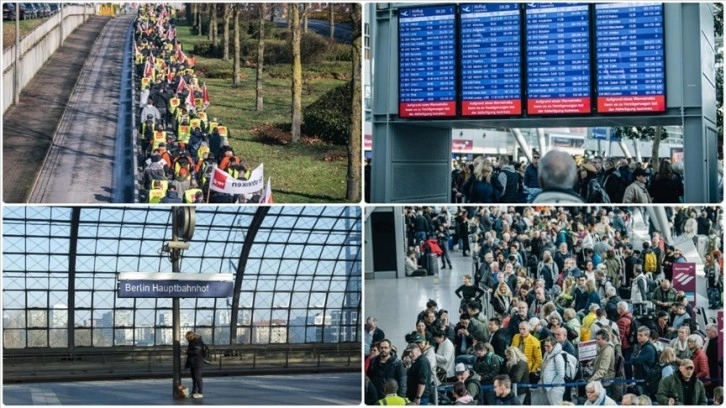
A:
<point x="301" y="172"/>
<point x="26" y="26"/>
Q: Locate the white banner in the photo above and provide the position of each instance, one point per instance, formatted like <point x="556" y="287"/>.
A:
<point x="223" y="182"/>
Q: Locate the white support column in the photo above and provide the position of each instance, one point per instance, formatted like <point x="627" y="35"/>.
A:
<point x="521" y="142"/>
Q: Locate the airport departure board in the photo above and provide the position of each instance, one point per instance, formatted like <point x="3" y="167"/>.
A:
<point x="558" y="58"/>
<point x="427" y="62"/>
<point x="490" y="44"/>
<point x="630" y="57"/>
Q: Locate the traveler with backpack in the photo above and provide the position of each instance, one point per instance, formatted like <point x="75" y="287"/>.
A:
<point x="471" y="380"/>
<point x="664" y="296"/>
<point x="628" y="329"/>
<point x="603" y="367"/>
<point x="553" y="372"/>
<point x="682" y="388"/>
<point x="645" y="363"/>
<point x="487" y="363"/>
<point x="195" y="362"/>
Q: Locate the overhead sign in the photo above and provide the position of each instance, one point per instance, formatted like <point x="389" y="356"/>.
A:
<point x="490" y="44"/>
<point x="600" y="133"/>
<point x="174" y="285"/>
<point x="558" y="58"/>
<point x="684" y="278"/>
<point x="630" y="57"/>
<point x="427" y="62"/>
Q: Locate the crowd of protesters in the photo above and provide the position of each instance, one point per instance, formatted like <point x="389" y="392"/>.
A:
<point x="547" y="281"/>
<point x="587" y="180"/>
<point x="180" y="145"/>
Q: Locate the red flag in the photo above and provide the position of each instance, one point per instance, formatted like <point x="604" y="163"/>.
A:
<point x="189" y="101"/>
<point x="205" y="96"/>
<point x="182" y="85"/>
<point x="148" y="70"/>
<point x="267" y="195"/>
<point x="180" y="54"/>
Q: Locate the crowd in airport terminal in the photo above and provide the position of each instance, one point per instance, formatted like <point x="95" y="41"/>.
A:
<point x="561" y="306"/>
<point x="557" y="177"/>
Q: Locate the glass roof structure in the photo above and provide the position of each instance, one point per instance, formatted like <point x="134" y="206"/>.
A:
<point x="297" y="273"/>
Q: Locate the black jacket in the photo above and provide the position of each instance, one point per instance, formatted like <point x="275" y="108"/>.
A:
<point x="380" y="372"/>
<point x="195" y="353"/>
<point x="510" y="399"/>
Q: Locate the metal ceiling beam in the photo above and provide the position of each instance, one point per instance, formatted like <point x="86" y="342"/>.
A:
<point x="241" y="265"/>
<point x="72" y="254"/>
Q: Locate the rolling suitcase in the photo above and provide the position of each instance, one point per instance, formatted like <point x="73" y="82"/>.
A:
<point x="432" y="264"/>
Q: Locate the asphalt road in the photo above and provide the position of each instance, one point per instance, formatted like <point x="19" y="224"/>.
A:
<point x="28" y="127"/>
<point x="79" y="167"/>
<point x="283" y="390"/>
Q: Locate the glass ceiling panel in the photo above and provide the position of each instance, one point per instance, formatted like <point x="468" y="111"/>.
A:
<point x="304" y="261"/>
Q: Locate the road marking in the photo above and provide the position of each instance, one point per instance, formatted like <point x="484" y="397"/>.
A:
<point x="264" y="385"/>
<point x="44" y="397"/>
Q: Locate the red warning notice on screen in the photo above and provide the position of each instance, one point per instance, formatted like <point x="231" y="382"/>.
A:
<point x="494" y="107"/>
<point x="426" y="109"/>
<point x="558" y="106"/>
<point x="629" y="104"/>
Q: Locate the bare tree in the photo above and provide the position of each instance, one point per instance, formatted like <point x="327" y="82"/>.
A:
<point x="354" y="143"/>
<point x="294" y="13"/>
<point x="331" y="10"/>
<point x="237" y="49"/>
<point x="304" y="16"/>
<point x="213" y="25"/>
<point x="199" y="19"/>
<point x="227" y="17"/>
<point x="260" y="58"/>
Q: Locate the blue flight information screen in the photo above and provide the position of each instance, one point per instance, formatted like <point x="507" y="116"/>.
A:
<point x="490" y="43"/>
<point x="630" y="57"/>
<point x="427" y="62"/>
<point x="558" y="58"/>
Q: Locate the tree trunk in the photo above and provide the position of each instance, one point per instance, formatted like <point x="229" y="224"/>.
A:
<point x="354" y="143"/>
<point x="296" y="73"/>
<point x="305" y="7"/>
<point x="654" y="158"/>
<point x="237" y="50"/>
<point x="227" y="16"/>
<point x="260" y="58"/>
<point x="199" y="19"/>
<point x="332" y="22"/>
<point x="213" y="29"/>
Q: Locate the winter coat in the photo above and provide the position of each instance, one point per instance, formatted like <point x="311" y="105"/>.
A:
<point x="171" y="197"/>
<point x="636" y="193"/>
<point x="556" y="196"/>
<point x="195" y="353"/>
<point x="487" y="367"/>
<point x="666" y="190"/>
<point x="672" y="387"/>
<point x="445" y="357"/>
<point x="604" y="364"/>
<point x="530" y="177"/>
<point x="624" y="327"/>
<point x="532" y="350"/>
<point x="480" y="191"/>
<point x="553" y="367"/>
<point x="380" y="372"/>
<point x="700" y="362"/>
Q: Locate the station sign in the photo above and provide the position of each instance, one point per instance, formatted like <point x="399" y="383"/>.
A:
<point x="174" y="285"/>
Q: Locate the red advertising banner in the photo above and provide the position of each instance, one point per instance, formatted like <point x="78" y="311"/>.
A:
<point x="684" y="278"/>
<point x="459" y="145"/>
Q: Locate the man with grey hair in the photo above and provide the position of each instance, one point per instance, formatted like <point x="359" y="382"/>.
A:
<point x="629" y="399"/>
<point x="557" y="175"/>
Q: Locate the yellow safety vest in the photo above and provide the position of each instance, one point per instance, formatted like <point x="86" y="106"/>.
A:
<point x="202" y="116"/>
<point x="199" y="103"/>
<point x="195" y="123"/>
<point x="174" y="103"/>
<point x="212" y="126"/>
<point x="145" y="82"/>
<point x="156" y="193"/>
<point x="203" y="151"/>
<point x="190" y="193"/>
<point x="184" y="133"/>
<point x="159" y="137"/>
<point x="222" y="130"/>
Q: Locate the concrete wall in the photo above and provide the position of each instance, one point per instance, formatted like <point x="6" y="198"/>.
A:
<point x="38" y="46"/>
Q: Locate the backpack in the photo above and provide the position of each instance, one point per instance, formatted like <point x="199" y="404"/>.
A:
<point x="571" y="366"/>
<point x="633" y="332"/>
<point x="617" y="389"/>
<point x="650" y="262"/>
<point x="615" y="339"/>
<point x="598" y="193"/>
